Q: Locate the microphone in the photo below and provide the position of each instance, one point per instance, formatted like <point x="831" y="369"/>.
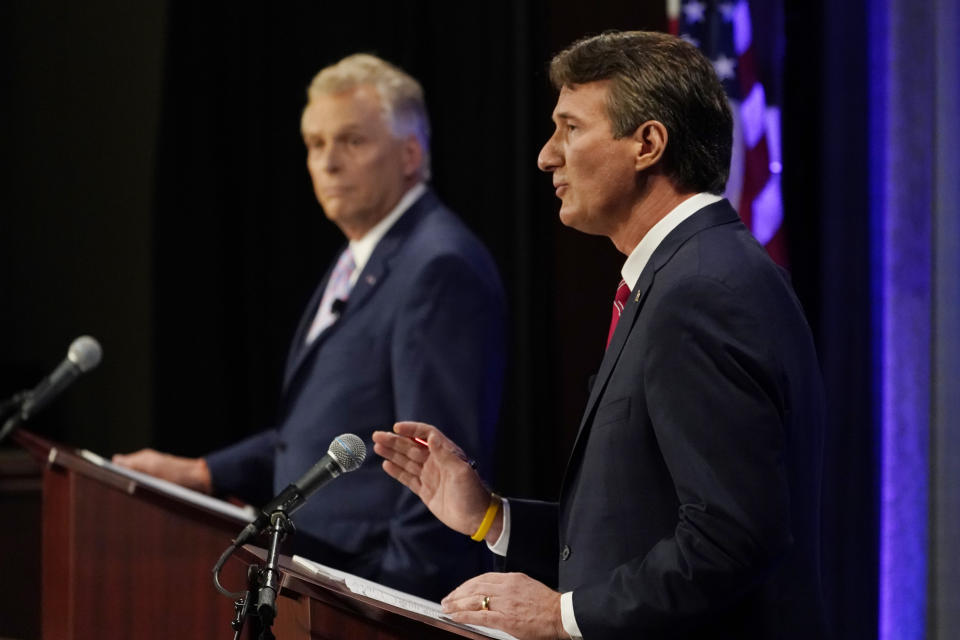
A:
<point x="346" y="453"/>
<point x="84" y="354"/>
<point x="338" y="305"/>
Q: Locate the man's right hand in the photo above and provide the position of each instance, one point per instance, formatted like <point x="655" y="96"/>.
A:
<point x="188" y="472"/>
<point x="439" y="473"/>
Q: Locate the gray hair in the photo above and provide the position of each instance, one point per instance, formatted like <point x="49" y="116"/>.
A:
<point x="401" y="96"/>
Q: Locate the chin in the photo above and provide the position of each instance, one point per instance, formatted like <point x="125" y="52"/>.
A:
<point x="334" y="210"/>
<point x="572" y="218"/>
<point x="578" y="221"/>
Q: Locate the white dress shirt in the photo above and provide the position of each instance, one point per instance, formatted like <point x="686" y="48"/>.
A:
<point x="363" y="248"/>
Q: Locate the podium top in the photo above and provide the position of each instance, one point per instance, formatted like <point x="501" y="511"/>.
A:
<point x="132" y="482"/>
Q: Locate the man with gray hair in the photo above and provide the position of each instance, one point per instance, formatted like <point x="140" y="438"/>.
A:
<point x="408" y="324"/>
<point x="690" y="504"/>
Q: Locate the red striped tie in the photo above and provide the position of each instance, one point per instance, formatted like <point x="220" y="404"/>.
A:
<point x="623" y="292"/>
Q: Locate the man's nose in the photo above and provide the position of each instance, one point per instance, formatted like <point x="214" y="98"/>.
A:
<point x="331" y="159"/>
<point x="549" y="158"/>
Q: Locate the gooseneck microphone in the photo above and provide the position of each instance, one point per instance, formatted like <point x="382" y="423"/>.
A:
<point x="346" y="453"/>
<point x="84" y="354"/>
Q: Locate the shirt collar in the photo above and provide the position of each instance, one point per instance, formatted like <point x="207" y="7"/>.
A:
<point x="363" y="248"/>
<point x="640" y="255"/>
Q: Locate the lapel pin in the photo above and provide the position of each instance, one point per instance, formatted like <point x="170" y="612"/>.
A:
<point x="371" y="280"/>
<point x="637" y="299"/>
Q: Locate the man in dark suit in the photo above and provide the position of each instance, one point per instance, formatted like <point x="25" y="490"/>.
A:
<point x="407" y="325"/>
<point x="690" y="503"/>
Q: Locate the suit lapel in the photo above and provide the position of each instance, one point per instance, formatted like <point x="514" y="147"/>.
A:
<point x="373" y="274"/>
<point x="718" y="213"/>
<point x="298" y="347"/>
<point x="610" y="357"/>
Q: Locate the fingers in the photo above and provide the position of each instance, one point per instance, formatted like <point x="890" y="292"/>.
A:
<point x="491" y="618"/>
<point x="417" y="441"/>
<point x="403" y="458"/>
<point x="469" y="591"/>
<point x="414" y="443"/>
<point x="469" y="603"/>
<point x="142" y="460"/>
<point x="404" y="477"/>
<point x="465" y="604"/>
<point x="394" y="447"/>
<point x="420" y="430"/>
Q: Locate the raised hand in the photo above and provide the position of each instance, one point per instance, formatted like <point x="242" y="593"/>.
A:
<point x="439" y="473"/>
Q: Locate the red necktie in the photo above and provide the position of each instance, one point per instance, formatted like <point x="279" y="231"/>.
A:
<point x="623" y="292"/>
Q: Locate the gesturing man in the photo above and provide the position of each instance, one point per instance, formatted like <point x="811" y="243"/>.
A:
<point x="408" y="324"/>
<point x="690" y="503"/>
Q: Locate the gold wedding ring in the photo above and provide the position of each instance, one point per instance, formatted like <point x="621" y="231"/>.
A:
<point x="485" y="603"/>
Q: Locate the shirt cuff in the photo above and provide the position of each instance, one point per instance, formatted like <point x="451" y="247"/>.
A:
<point x="500" y="546"/>
<point x="566" y="616"/>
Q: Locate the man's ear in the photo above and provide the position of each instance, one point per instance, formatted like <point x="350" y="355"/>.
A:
<point x="412" y="156"/>
<point x="651" y="139"/>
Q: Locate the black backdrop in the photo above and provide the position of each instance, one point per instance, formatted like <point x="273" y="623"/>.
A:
<point x="239" y="241"/>
<point x="155" y="195"/>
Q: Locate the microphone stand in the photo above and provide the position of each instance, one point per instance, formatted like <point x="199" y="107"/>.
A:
<point x="241" y="607"/>
<point x="264" y="582"/>
<point x="280" y="525"/>
<point x="10" y="413"/>
<point x="346" y="453"/>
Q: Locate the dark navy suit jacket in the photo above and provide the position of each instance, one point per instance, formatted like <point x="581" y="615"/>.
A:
<point x="421" y="337"/>
<point x="690" y="504"/>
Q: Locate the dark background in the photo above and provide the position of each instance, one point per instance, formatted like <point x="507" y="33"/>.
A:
<point x="154" y="194"/>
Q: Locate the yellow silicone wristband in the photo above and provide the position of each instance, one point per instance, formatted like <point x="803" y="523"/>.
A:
<point x="488" y="518"/>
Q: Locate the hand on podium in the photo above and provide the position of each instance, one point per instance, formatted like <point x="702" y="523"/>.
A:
<point x="513" y="602"/>
<point x="439" y="473"/>
<point x="191" y="473"/>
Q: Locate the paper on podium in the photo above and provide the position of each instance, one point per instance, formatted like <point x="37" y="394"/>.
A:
<point x="245" y="514"/>
<point x="393" y="597"/>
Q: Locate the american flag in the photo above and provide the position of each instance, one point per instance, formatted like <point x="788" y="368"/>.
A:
<point x="723" y="32"/>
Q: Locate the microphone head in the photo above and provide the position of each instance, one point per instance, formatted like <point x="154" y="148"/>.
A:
<point x="348" y="450"/>
<point x="85" y="352"/>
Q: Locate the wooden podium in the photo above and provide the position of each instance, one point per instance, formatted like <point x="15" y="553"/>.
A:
<point x="122" y="558"/>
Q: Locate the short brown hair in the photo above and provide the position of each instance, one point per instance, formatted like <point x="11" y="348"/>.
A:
<point x="656" y="76"/>
<point x="400" y="95"/>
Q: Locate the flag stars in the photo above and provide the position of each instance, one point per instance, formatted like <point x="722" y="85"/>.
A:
<point x="724" y="67"/>
<point x="726" y="10"/>
<point x="694" y="11"/>
<point x="689" y="38"/>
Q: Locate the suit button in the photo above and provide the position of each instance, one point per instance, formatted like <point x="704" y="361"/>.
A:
<point x="565" y="553"/>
